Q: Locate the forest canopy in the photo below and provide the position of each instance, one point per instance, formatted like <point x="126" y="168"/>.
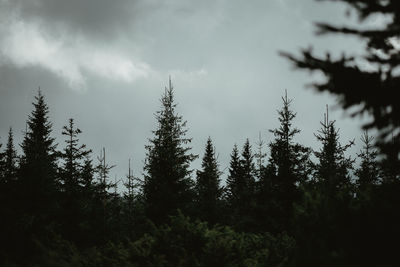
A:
<point x="282" y="203"/>
<point x="280" y="206"/>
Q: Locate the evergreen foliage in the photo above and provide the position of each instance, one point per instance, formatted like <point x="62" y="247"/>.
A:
<point x="73" y="156"/>
<point x="368" y="173"/>
<point x="71" y="180"/>
<point x="332" y="171"/>
<point x="288" y="167"/>
<point x="10" y="160"/>
<point x="288" y="211"/>
<point x="208" y="189"/>
<point x="38" y="182"/>
<point x="374" y="90"/>
<point x="241" y="187"/>
<point x="167" y="184"/>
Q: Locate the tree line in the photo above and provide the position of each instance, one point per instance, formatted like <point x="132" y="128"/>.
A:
<point x="61" y="207"/>
<point x="283" y="206"/>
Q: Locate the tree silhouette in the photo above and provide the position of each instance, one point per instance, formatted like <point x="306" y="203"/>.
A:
<point x="368" y="173"/>
<point x="234" y="176"/>
<point x="10" y="158"/>
<point x="241" y="187"/>
<point x="288" y="166"/>
<point x="38" y="183"/>
<point x="8" y="179"/>
<point x="3" y="179"/>
<point x="259" y="157"/>
<point x="324" y="214"/>
<point x="167" y="184"/>
<point x="374" y="90"/>
<point x="289" y="211"/>
<point x="208" y="189"/>
<point x="332" y="171"/>
<point x="73" y="156"/>
<point x="71" y="183"/>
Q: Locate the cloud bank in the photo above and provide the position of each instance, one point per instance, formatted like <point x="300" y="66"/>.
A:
<point x="70" y="56"/>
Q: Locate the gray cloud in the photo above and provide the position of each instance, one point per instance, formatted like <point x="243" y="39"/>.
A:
<point x="97" y="18"/>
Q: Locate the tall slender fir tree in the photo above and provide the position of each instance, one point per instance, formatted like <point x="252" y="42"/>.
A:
<point x="208" y="189"/>
<point x="289" y="165"/>
<point x="73" y="156"/>
<point x="167" y="184"/>
<point x="10" y="159"/>
<point x="368" y="173"/>
<point x="38" y="179"/>
<point x="333" y="169"/>
<point x="241" y="187"/>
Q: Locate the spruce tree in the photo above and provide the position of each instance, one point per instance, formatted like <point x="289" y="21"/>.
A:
<point x="234" y="173"/>
<point x="38" y="183"/>
<point x="73" y="157"/>
<point x="259" y="158"/>
<point x="368" y="173"/>
<point x="8" y="174"/>
<point x="248" y="169"/>
<point x="131" y="185"/>
<point x="167" y="184"/>
<point x="333" y="169"/>
<point x="289" y="166"/>
<point x="132" y="196"/>
<point x="324" y="216"/>
<point x="102" y="196"/>
<point x="208" y="189"/>
<point x="289" y="159"/>
<point x="70" y="174"/>
<point x="241" y="179"/>
<point x="10" y="159"/>
<point x="241" y="187"/>
<point x="103" y="171"/>
<point x="2" y="179"/>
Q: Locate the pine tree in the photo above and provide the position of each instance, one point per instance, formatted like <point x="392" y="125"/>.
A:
<point x="103" y="197"/>
<point x="130" y="185"/>
<point x="167" y="184"/>
<point x="10" y="159"/>
<point x="325" y="215"/>
<point x="208" y="190"/>
<point x="71" y="174"/>
<point x="289" y="159"/>
<point x="289" y="166"/>
<point x="73" y="155"/>
<point x="8" y="175"/>
<point x="241" y="187"/>
<point x="234" y="173"/>
<point x="132" y="196"/>
<point x="38" y="183"/>
<point x="332" y="171"/>
<point x="103" y="170"/>
<point x="3" y="178"/>
<point x="259" y="157"/>
<point x="368" y="172"/>
<point x="248" y="170"/>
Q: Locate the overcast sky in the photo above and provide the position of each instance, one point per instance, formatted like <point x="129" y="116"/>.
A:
<point x="106" y="63"/>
